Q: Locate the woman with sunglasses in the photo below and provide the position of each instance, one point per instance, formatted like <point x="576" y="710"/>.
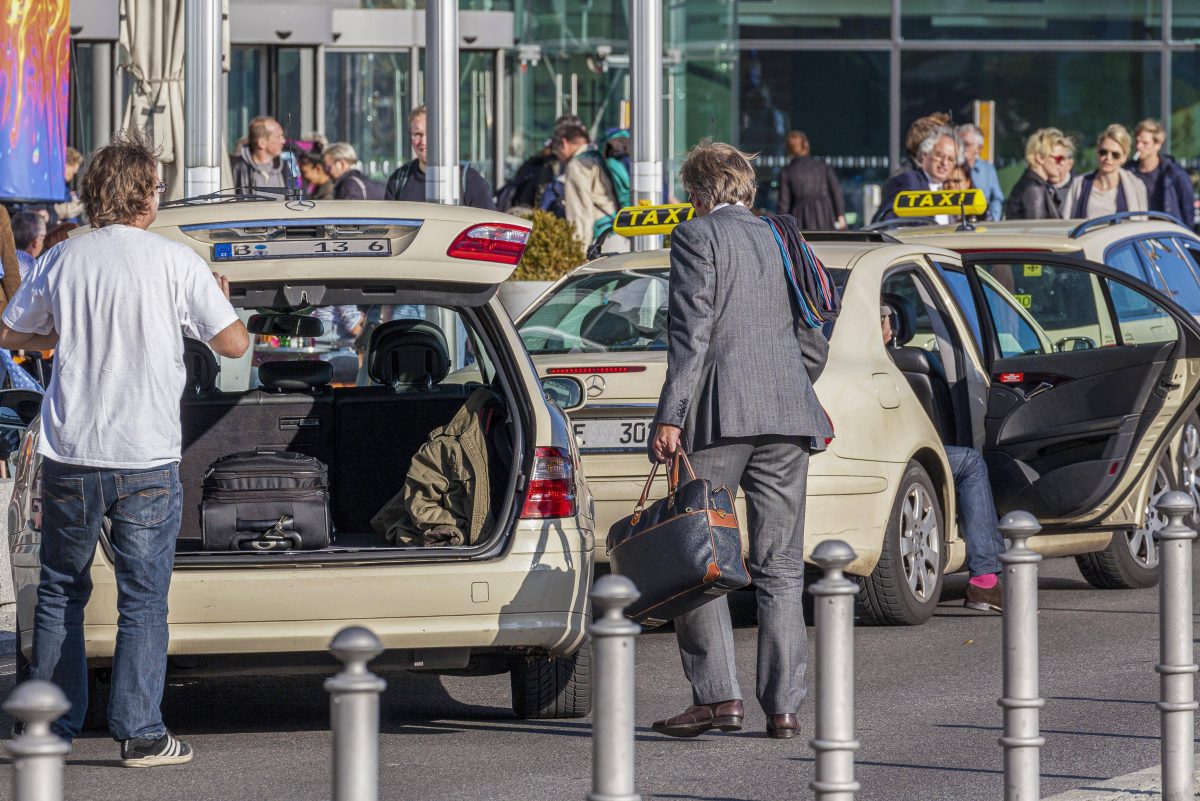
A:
<point x="1033" y="197"/>
<point x="1109" y="189"/>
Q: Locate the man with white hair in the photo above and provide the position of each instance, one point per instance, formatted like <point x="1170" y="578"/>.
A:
<point x="983" y="173"/>
<point x="341" y="162"/>
<point x="937" y="156"/>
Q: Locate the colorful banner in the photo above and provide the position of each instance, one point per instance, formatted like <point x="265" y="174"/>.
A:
<point x="35" y="51"/>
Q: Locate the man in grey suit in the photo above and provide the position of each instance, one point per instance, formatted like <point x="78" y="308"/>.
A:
<point x="739" y="398"/>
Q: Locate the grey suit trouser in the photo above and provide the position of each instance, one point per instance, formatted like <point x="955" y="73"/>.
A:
<point x="773" y="473"/>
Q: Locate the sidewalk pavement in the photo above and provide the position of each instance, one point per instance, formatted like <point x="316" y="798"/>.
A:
<point x="6" y="587"/>
<point x="1145" y="785"/>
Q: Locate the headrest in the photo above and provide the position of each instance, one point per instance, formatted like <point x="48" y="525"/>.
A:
<point x="904" y="319"/>
<point x="605" y="325"/>
<point x="200" y="364"/>
<point x="408" y="353"/>
<point x="912" y="360"/>
<point x="298" y="376"/>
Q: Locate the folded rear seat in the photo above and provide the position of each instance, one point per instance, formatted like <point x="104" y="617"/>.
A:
<point x="380" y="427"/>
<point x="292" y="411"/>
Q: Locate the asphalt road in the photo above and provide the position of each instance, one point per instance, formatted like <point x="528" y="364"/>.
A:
<point x="926" y="716"/>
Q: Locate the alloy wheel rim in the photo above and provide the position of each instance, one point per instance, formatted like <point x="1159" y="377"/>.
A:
<point x="1143" y="546"/>
<point x="920" y="543"/>
<point x="1189" y="470"/>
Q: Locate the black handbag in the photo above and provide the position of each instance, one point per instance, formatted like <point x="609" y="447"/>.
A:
<point x="680" y="552"/>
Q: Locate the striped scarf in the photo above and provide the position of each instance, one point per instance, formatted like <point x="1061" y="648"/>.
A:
<point x="816" y="295"/>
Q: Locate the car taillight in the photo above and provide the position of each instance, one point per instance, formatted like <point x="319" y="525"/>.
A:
<point x="496" y="242"/>
<point x="551" y="487"/>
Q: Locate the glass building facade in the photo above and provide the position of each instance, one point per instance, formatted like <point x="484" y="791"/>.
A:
<point x="852" y="75"/>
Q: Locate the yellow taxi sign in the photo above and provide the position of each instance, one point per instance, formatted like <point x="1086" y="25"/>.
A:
<point x="651" y="220"/>
<point x="944" y="201"/>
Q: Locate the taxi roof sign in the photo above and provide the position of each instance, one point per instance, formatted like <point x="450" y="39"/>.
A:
<point x="944" y="201"/>
<point x="651" y="220"/>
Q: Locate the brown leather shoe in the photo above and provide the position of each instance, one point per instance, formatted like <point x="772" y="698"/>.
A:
<point x="726" y="716"/>
<point x="985" y="600"/>
<point x="782" y="727"/>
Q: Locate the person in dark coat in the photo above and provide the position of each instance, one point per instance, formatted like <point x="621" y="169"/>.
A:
<point x="1035" y="195"/>
<point x="408" y="180"/>
<point x="1168" y="186"/>
<point x="341" y="162"/>
<point x="938" y="155"/>
<point x="809" y="189"/>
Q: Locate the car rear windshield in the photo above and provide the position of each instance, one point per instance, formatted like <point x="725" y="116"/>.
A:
<point x="613" y="312"/>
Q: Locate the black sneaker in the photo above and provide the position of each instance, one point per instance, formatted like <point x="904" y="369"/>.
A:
<point x="985" y="600"/>
<point x="150" y="753"/>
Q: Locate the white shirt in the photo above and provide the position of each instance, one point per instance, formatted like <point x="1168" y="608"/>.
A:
<point x="118" y="298"/>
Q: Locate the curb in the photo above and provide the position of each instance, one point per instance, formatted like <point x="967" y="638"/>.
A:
<point x="1145" y="785"/>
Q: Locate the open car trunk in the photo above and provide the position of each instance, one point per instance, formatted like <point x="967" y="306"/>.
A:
<point x="362" y="403"/>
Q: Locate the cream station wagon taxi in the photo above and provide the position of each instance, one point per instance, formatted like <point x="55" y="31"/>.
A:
<point x="511" y="598"/>
<point x="1070" y="434"/>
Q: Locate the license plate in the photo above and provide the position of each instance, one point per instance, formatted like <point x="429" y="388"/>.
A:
<point x="300" y="249"/>
<point x="618" y="434"/>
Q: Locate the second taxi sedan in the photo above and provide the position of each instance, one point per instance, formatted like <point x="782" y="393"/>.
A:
<point x="1069" y="432"/>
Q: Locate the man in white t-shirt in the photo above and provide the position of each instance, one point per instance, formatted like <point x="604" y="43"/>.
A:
<point x="112" y="303"/>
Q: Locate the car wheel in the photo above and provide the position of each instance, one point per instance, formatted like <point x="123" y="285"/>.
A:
<point x="1189" y="466"/>
<point x="553" y="687"/>
<point x="906" y="584"/>
<point x="1131" y="559"/>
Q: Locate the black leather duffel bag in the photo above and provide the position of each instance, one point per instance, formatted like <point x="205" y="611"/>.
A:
<point x="682" y="551"/>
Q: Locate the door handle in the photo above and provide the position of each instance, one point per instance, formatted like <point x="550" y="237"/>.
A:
<point x="1038" y="390"/>
<point x="1169" y="385"/>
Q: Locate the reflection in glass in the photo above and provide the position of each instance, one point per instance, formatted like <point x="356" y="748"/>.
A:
<point x="805" y="19"/>
<point x="367" y="102"/>
<point x="987" y="19"/>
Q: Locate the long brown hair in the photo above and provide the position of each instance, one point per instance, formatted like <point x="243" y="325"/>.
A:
<point x="120" y="183"/>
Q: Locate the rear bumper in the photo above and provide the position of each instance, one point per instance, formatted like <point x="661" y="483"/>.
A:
<point x="534" y="597"/>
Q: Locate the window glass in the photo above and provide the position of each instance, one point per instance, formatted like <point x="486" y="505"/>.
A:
<point x="1124" y="257"/>
<point x="246" y="96"/>
<point x="344" y="340"/>
<point x="901" y="290"/>
<point x="1080" y="92"/>
<point x="961" y="289"/>
<point x="602" y="312"/>
<point x="1064" y="307"/>
<point x="1141" y="319"/>
<point x="805" y="19"/>
<point x="367" y="101"/>
<point x="1178" y="278"/>
<point x="987" y="19"/>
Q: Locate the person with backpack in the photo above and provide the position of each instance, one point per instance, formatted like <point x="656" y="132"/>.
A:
<point x="349" y="182"/>
<point x="614" y="148"/>
<point x="408" y="181"/>
<point x="584" y="186"/>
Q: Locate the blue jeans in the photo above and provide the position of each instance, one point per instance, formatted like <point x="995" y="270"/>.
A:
<point x="976" y="510"/>
<point x="144" y="507"/>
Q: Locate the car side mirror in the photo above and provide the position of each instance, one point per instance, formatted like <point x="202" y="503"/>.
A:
<point x="18" y="408"/>
<point x="564" y="392"/>
<point x="285" y="325"/>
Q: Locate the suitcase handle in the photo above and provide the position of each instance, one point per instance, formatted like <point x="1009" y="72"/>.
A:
<point x="277" y="524"/>
<point x="672" y="482"/>
<point x="250" y="538"/>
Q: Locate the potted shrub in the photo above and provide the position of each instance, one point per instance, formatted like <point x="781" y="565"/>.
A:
<point x="552" y="252"/>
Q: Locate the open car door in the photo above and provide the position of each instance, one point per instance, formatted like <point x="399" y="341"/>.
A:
<point x="1092" y="373"/>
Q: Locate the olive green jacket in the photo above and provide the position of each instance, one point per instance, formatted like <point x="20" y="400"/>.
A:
<point x="446" y="499"/>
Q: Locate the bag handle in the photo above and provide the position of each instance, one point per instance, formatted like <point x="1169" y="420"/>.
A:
<point x="672" y="482"/>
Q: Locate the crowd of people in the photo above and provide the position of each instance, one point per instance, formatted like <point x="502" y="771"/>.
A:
<point x="572" y="177"/>
<point x="1133" y="174"/>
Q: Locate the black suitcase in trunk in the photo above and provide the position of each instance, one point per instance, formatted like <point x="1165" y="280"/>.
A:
<point x="265" y="501"/>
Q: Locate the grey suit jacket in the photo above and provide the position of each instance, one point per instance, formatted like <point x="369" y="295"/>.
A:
<point x="740" y="362"/>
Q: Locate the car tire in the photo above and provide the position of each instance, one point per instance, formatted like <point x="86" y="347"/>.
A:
<point x="906" y="584"/>
<point x="1189" y="466"/>
<point x="553" y="687"/>
<point x="1130" y="561"/>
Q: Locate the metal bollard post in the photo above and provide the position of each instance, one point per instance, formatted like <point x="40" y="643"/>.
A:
<point x="1021" y="741"/>
<point x="37" y="754"/>
<point x="354" y="715"/>
<point x="1177" y="666"/>
<point x="833" y="739"/>
<point x="612" y="690"/>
